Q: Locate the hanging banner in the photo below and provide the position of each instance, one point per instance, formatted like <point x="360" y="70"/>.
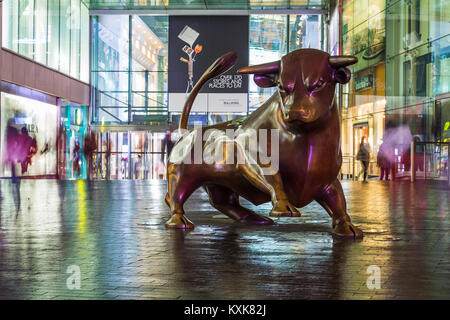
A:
<point x="195" y="42"/>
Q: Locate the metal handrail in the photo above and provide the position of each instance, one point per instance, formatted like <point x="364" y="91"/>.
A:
<point x="413" y="154"/>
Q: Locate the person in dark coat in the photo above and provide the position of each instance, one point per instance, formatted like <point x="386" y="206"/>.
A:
<point x="385" y="160"/>
<point x="363" y="155"/>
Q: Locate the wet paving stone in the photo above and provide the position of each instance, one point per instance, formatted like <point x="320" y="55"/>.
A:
<point x="114" y="232"/>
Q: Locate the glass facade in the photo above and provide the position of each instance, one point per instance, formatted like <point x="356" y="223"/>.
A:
<point x="134" y="90"/>
<point x="52" y="32"/>
<point x="272" y="36"/>
<point x="418" y="59"/>
<point x="205" y="4"/>
<point x="129" y="155"/>
<point x="129" y="73"/>
<point x="363" y="98"/>
<point x="130" y="83"/>
<point x="401" y="79"/>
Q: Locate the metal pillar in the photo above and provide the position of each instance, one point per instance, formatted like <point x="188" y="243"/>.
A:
<point x="353" y="170"/>
<point x="424" y="161"/>
<point x="130" y="66"/>
<point x="448" y="165"/>
<point x="413" y="170"/>
<point x="130" y="166"/>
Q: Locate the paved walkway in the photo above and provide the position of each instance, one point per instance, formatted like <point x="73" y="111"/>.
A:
<point x="113" y="233"/>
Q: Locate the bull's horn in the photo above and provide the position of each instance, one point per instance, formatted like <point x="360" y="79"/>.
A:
<point x="271" y="67"/>
<point x="342" y="61"/>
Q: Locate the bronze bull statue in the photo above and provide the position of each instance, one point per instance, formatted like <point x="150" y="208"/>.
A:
<point x="304" y="114"/>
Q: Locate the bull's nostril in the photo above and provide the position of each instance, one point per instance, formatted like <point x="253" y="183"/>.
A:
<point x="305" y="113"/>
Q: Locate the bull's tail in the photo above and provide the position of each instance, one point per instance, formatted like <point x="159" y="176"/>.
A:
<point x="221" y="65"/>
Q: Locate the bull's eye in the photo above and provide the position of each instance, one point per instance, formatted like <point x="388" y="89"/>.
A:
<point x="318" y="85"/>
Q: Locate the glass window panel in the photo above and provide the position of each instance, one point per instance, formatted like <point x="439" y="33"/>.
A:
<point x="10" y="24"/>
<point x="111" y="76"/>
<point x="74" y="26"/>
<point x="347" y="16"/>
<point x="304" y="32"/>
<point x="149" y="65"/>
<point x="360" y="12"/>
<point x="64" y="36"/>
<point x="440" y="72"/>
<point x="26" y="37"/>
<point x="84" y="44"/>
<point x="53" y="34"/>
<point x="299" y="3"/>
<point x="268" y="42"/>
<point x="41" y="23"/>
<point x="439" y="18"/>
<point x="395" y="30"/>
<point x="359" y="45"/>
<point x="267" y="37"/>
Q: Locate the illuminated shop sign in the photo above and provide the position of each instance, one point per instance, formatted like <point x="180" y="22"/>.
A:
<point x="363" y="82"/>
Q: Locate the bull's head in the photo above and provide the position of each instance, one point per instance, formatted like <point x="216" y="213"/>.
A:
<point x="306" y="79"/>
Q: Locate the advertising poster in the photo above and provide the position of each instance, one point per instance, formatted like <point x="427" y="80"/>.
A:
<point x="195" y="42"/>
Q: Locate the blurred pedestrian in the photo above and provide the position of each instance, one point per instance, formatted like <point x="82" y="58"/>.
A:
<point x="29" y="149"/>
<point x="363" y="155"/>
<point x="76" y="160"/>
<point x="137" y="167"/>
<point x="167" y="143"/>
<point x="90" y="146"/>
<point x="12" y="148"/>
<point x="385" y="160"/>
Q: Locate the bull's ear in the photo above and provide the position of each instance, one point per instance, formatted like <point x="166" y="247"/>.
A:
<point x="342" y="61"/>
<point x="266" y="80"/>
<point x="342" y="75"/>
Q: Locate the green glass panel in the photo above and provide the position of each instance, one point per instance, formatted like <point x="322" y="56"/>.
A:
<point x="26" y="17"/>
<point x="53" y="34"/>
<point x="40" y="14"/>
<point x="84" y="44"/>
<point x="64" y="36"/>
<point x="10" y="24"/>
<point x="75" y="36"/>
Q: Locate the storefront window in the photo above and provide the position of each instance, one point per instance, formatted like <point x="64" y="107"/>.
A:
<point x="38" y="119"/>
<point x="74" y="130"/>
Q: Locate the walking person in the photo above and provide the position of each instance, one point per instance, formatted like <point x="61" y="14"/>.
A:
<point x="384" y="161"/>
<point x="363" y="155"/>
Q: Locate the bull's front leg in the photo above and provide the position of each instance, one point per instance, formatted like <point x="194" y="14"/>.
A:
<point x="272" y="185"/>
<point x="332" y="199"/>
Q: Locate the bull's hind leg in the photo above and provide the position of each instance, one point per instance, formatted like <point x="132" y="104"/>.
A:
<point x="179" y="190"/>
<point x="227" y="202"/>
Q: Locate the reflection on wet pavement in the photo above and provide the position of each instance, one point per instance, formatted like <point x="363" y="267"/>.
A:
<point x="114" y="232"/>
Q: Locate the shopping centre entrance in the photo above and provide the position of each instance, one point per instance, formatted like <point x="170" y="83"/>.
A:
<point x="135" y="155"/>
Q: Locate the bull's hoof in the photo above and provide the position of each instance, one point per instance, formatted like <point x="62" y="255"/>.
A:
<point x="347" y="229"/>
<point x="284" y="209"/>
<point x="179" y="221"/>
<point x="255" y="219"/>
